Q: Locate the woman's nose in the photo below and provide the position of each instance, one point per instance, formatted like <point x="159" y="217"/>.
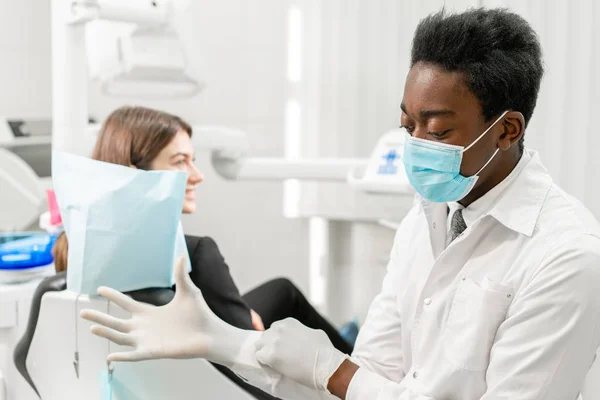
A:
<point x="195" y="176"/>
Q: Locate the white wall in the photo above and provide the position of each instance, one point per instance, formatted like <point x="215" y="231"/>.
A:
<point x="25" y="58"/>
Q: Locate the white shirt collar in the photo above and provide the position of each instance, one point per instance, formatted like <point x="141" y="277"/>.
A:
<point x="519" y="205"/>
<point x="485" y="203"/>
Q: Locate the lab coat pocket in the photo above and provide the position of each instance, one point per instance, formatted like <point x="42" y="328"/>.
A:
<point x="475" y="316"/>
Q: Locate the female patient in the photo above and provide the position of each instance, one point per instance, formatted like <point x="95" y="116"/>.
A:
<point x="153" y="140"/>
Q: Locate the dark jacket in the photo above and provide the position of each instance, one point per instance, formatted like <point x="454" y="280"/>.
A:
<point x="211" y="275"/>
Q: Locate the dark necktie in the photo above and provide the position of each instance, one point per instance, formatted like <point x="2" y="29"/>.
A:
<point x="458" y="224"/>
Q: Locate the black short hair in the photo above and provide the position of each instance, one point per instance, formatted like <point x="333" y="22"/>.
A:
<point x="497" y="50"/>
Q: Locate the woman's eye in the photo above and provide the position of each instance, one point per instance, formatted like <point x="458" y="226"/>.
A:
<point x="180" y="163"/>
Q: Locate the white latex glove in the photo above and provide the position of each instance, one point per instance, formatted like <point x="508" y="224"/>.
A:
<point x="184" y="328"/>
<point x="303" y="354"/>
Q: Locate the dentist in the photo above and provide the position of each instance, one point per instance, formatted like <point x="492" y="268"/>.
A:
<point x="493" y="280"/>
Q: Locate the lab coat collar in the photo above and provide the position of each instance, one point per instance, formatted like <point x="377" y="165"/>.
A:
<point x="517" y="208"/>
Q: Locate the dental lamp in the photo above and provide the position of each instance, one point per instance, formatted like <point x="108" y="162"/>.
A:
<point x="149" y="62"/>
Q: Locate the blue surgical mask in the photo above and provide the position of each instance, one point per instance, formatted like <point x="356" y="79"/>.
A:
<point x="433" y="168"/>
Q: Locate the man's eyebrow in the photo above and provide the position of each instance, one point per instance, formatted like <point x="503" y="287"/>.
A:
<point x="427" y="114"/>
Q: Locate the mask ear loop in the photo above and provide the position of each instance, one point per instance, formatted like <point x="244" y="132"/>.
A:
<point x="483" y="134"/>
<point x="489" y="161"/>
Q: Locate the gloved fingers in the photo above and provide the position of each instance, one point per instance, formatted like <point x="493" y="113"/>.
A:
<point x="267" y="338"/>
<point x="183" y="282"/>
<point x="119" y="338"/>
<point x="263" y="356"/>
<point x="120" y="299"/>
<point x="259" y="344"/>
<point x="285" y="323"/>
<point x="278" y="324"/>
<point x="291" y="326"/>
<point x="106" y="320"/>
<point x="128" y="356"/>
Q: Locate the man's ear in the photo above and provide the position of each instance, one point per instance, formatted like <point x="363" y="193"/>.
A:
<point x="514" y="128"/>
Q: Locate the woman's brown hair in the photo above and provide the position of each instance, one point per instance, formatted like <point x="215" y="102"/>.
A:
<point x="130" y="136"/>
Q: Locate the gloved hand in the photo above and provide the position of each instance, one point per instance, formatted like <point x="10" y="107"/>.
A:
<point x="303" y="354"/>
<point x="184" y="328"/>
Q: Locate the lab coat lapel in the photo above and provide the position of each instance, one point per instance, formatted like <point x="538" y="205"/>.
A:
<point x="436" y="215"/>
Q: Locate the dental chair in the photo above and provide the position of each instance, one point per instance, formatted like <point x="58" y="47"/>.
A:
<point x="46" y="358"/>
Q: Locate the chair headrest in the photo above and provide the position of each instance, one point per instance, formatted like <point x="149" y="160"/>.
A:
<point x="154" y="296"/>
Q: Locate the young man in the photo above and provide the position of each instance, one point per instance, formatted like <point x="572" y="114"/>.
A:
<point x="492" y="287"/>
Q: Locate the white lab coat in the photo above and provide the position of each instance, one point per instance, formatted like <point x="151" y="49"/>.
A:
<point x="509" y="310"/>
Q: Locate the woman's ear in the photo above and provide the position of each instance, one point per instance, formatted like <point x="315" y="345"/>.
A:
<point x="514" y="128"/>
